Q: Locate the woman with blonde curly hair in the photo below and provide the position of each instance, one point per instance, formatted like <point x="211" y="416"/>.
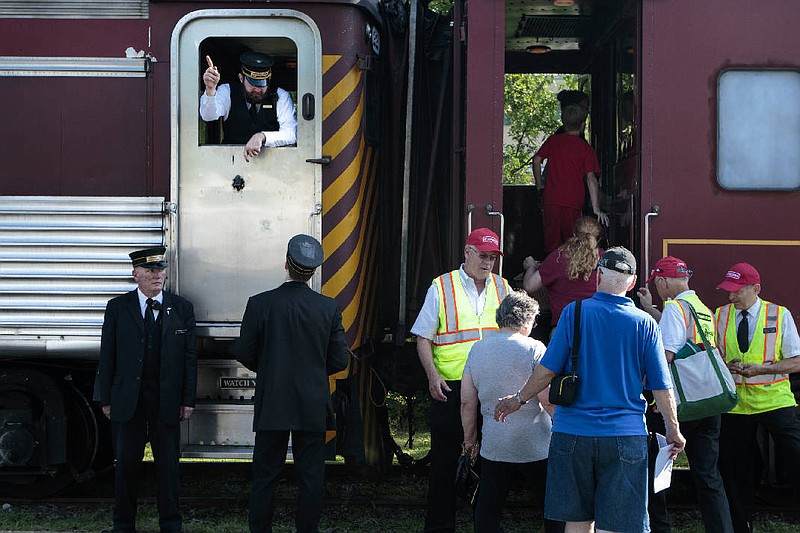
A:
<point x="568" y="273"/>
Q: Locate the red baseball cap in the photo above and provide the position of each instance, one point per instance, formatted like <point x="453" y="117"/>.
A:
<point x="670" y="267"/>
<point x="484" y="240"/>
<point x="738" y="276"/>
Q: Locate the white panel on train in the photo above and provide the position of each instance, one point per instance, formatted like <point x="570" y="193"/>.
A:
<point x="231" y="240"/>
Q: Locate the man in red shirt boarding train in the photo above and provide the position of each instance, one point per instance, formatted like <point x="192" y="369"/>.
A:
<point x="459" y="309"/>
<point x="569" y="159"/>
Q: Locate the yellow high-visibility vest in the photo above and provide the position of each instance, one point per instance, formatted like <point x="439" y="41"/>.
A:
<point x="703" y="313"/>
<point x="459" y="326"/>
<point x="766" y="392"/>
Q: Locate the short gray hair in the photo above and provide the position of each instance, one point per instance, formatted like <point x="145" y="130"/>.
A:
<point x="614" y="282"/>
<point x="516" y="310"/>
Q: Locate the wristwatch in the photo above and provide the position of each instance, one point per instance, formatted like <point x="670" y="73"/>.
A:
<point x="518" y="397"/>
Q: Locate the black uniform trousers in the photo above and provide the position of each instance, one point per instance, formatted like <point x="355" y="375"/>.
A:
<point x="738" y="448"/>
<point x="702" y="452"/>
<point x="129" y="439"/>
<point x="447" y="435"/>
<point x="269" y="457"/>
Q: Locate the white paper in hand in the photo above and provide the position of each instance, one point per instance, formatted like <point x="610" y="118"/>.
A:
<point x="662" y="477"/>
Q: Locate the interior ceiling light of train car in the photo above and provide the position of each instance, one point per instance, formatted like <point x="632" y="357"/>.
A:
<point x="553" y="35"/>
<point x="538" y="49"/>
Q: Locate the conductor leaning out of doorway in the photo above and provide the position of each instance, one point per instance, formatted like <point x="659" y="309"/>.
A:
<point x="255" y="113"/>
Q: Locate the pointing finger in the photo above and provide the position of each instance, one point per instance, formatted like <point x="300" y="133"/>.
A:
<point x="210" y="63"/>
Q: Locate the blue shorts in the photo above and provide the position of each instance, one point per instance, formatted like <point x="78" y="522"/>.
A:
<point x="598" y="478"/>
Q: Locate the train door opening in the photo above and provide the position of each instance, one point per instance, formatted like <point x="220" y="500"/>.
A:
<point x="596" y="47"/>
<point x="244" y="211"/>
<point x="232" y="217"/>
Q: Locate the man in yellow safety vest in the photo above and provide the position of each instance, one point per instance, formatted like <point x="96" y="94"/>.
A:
<point x="459" y="310"/>
<point x="760" y="344"/>
<point x="670" y="277"/>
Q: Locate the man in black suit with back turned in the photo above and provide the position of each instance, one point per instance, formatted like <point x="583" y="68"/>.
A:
<point x="293" y="338"/>
<point x="146" y="384"/>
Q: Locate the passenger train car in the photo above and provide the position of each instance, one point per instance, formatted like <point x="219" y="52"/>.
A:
<point x="695" y="117"/>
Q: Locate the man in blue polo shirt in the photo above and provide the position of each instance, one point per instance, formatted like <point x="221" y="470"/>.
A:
<point x="597" y="465"/>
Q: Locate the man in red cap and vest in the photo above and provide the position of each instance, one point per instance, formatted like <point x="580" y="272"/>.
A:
<point x="670" y="277"/>
<point x="760" y="344"/>
<point x="459" y="310"/>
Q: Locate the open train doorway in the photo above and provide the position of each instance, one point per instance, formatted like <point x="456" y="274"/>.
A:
<point x="587" y="47"/>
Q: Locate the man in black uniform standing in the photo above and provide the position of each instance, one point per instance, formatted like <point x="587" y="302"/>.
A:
<point x="146" y="384"/>
<point x="255" y="113"/>
<point x="293" y="338"/>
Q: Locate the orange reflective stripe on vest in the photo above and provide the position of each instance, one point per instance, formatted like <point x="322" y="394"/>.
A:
<point x="764" y="392"/>
<point x="703" y="313"/>
<point x="448" y="295"/>
<point x="459" y="327"/>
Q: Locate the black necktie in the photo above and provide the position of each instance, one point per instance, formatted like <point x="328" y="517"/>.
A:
<point x="149" y="315"/>
<point x="253" y="111"/>
<point x="743" y="333"/>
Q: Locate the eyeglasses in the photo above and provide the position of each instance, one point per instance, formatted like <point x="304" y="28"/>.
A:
<point x="487" y="257"/>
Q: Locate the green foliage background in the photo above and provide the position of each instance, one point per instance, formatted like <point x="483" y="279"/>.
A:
<point x="440" y="6"/>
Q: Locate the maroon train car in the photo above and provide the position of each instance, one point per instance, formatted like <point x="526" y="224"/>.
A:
<point x="695" y="117"/>
<point x="105" y="153"/>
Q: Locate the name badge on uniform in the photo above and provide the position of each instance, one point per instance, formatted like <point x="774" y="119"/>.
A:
<point x="773" y="329"/>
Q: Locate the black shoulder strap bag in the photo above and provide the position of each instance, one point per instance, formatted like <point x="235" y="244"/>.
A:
<point x="564" y="387"/>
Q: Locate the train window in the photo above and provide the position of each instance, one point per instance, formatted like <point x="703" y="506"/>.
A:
<point x="758" y="130"/>
<point x="233" y="118"/>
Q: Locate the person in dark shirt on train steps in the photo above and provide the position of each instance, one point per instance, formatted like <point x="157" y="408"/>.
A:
<point x="254" y="113"/>
<point x="569" y="158"/>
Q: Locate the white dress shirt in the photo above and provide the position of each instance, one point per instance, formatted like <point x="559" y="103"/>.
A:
<point x="673" y="328"/>
<point x="143" y="302"/>
<point x="427" y="323"/>
<point x="219" y="105"/>
<point x="790" y="341"/>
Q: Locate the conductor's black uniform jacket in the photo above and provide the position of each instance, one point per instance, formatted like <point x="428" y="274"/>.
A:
<point x="119" y="376"/>
<point x="293" y="338"/>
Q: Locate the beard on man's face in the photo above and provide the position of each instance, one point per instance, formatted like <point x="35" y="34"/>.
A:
<point x="256" y="96"/>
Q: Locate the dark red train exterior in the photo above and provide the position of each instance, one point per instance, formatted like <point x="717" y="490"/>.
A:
<point x="103" y="152"/>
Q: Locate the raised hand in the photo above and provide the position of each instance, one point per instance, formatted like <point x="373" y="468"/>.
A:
<point x="211" y="77"/>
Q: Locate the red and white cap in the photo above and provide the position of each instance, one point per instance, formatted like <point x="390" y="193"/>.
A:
<point x="670" y="267"/>
<point x="738" y="276"/>
<point x="484" y="240"/>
